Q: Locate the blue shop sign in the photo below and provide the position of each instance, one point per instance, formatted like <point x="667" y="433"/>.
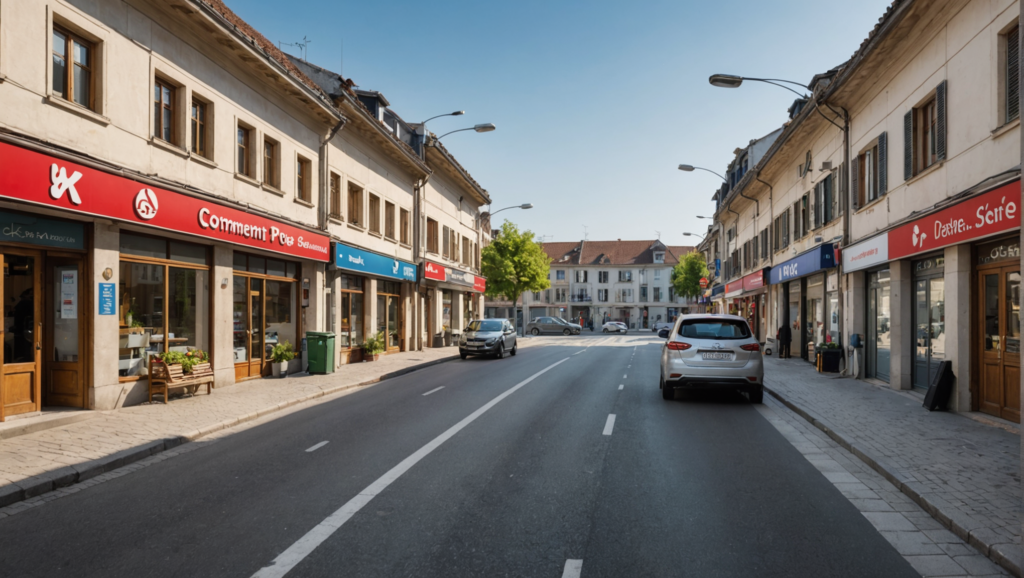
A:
<point x="17" y="228"/>
<point x="352" y="259"/>
<point x="717" y="290"/>
<point x="817" y="259"/>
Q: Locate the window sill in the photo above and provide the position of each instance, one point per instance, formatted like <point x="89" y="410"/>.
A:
<point x="406" y="245"/>
<point x="77" y="109"/>
<point x="392" y="239"/>
<point x="336" y="220"/>
<point x="202" y="160"/>
<point x="272" y="189"/>
<point x="169" y="147"/>
<point x="247" y="179"/>
<point x="303" y="202"/>
<point x="924" y="173"/>
<point x="871" y="204"/>
<point x="1000" y="131"/>
<point x="356" y="226"/>
<point x="375" y="234"/>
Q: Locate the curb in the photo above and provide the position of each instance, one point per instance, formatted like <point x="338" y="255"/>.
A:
<point x="69" y="475"/>
<point x="966" y="528"/>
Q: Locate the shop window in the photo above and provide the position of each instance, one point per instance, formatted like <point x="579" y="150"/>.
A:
<point x="304" y="180"/>
<point x="163" y="111"/>
<point x="405" y="225"/>
<point x="198" y="120"/>
<point x="432" y="240"/>
<point x="389" y="220"/>
<point x="243" y="140"/>
<point x="271" y="155"/>
<point x="335" y="204"/>
<point x="355" y="205"/>
<point x="73" y="68"/>
<point x="351" y="304"/>
<point x="373" y="214"/>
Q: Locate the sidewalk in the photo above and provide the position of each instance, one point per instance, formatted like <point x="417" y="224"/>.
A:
<point x="966" y="474"/>
<point x="42" y="461"/>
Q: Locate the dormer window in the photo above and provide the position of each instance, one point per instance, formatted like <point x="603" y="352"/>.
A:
<point x="659" y="257"/>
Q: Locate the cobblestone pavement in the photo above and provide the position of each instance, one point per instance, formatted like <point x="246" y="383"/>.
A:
<point x="37" y="463"/>
<point x="965" y="474"/>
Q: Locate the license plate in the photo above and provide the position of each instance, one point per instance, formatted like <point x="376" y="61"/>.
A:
<point x="716" y="355"/>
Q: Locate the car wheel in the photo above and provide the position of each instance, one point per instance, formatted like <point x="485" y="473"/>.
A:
<point x="515" y="348"/>
<point x="535" y="331"/>
<point x="605" y="330"/>
<point x="757" y="395"/>
<point x="463" y="355"/>
<point x="501" y="351"/>
<point x="566" y="332"/>
<point x="667" y="393"/>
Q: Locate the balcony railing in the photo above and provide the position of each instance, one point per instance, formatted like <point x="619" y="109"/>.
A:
<point x="581" y="298"/>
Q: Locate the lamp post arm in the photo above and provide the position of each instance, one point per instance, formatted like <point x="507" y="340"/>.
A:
<point x="712" y="172"/>
<point x="505" y="209"/>
<point x="778" y="80"/>
<point x="453" y="132"/>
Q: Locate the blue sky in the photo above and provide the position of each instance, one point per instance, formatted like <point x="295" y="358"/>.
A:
<point x="596" y="103"/>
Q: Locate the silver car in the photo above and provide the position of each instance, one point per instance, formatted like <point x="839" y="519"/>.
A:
<point x="614" y="326"/>
<point x="488" y="337"/>
<point x="552" y="325"/>
<point x="712" y="352"/>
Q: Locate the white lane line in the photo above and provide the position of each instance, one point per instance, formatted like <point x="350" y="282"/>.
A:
<point x="573" y="568"/>
<point x="579" y="352"/>
<point x="316" y="447"/>
<point x="628" y="366"/>
<point x="433" y="390"/>
<point x="621" y="385"/>
<point x="623" y="376"/>
<point x="298" y="551"/>
<point x="608" y="425"/>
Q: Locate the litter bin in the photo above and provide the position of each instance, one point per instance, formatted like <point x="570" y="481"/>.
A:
<point x="321" y="352"/>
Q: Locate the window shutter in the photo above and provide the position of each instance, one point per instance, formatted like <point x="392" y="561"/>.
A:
<point x="883" y="163"/>
<point x="1013" y="74"/>
<point x="908" y="145"/>
<point x="855" y="183"/>
<point x="940" y="121"/>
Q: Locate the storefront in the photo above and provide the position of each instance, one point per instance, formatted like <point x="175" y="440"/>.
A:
<point x="137" y="262"/>
<point x="372" y="295"/>
<point x="802" y="301"/>
<point x="453" y="296"/>
<point x="746" y="297"/>
<point x="870" y="259"/>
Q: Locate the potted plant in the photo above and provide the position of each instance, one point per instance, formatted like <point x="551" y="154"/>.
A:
<point x="374" y="346"/>
<point x="128" y="318"/>
<point x="829" y="356"/>
<point x="280" y="356"/>
<point x="189" y="360"/>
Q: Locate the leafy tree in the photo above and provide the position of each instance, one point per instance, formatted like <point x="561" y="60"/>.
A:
<point x="513" y="263"/>
<point x="687" y="273"/>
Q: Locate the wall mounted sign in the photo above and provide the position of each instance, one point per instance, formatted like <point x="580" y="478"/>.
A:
<point x="869" y="253"/>
<point x="17" y="228"/>
<point x="438" y="272"/>
<point x="69" y="294"/>
<point x="362" y="261"/>
<point x="756" y="280"/>
<point x="48" y="181"/>
<point x="987" y="214"/>
<point x="734" y="288"/>
<point x="107" y="294"/>
<point x="818" y="258"/>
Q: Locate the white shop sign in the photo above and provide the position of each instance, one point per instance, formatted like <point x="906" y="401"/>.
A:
<point x="874" y="251"/>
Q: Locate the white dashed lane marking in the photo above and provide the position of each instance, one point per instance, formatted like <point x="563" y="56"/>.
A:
<point x="621" y="385"/>
<point x="316" y="447"/>
<point x="608" y="425"/>
<point x="573" y="568"/>
<point x="433" y="390"/>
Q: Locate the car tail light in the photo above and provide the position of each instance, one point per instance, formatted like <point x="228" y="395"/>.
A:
<point x="678" y="346"/>
<point x="751" y="347"/>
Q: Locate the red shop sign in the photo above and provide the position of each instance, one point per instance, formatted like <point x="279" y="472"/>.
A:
<point x="479" y="284"/>
<point x="434" y="271"/>
<point x="753" y="281"/>
<point x="44" y="180"/>
<point x="703" y="282"/>
<point x="734" y="287"/>
<point x="993" y="212"/>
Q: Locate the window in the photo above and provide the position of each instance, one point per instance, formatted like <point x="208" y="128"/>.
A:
<point x="373" y="214"/>
<point x="466" y="248"/>
<point x="753" y="251"/>
<point x="432" y="236"/>
<point x="560" y="295"/>
<point x="625" y="276"/>
<point x="602" y="295"/>
<point x="643" y="294"/>
<point x="389" y="220"/>
<point x="447" y="239"/>
<point x="869" y="174"/>
<point x="355" y="205"/>
<point x="657" y="294"/>
<point x="924" y="131"/>
<point x="454" y="254"/>
<point x="781" y="236"/>
<point x="536" y="296"/>
<point x="657" y="274"/>
<point x="581" y="276"/>
<point x="73" y="68"/>
<point x="602" y="276"/>
<point x="825" y="202"/>
<point x="270" y="162"/>
<point x="1011" y="41"/>
<point x="803" y="225"/>
<point x="659" y="257"/>
<point x="764" y="243"/>
<point x="304" y="180"/>
<point x="163" y="111"/>
<point x="560" y="275"/>
<point x="335" y="204"/>
<point x="199" y="128"/>
<point x="624" y="295"/>
<point x="547" y="296"/>
<point x="243" y="140"/>
<point x="405" y="226"/>
<point x="351" y="298"/>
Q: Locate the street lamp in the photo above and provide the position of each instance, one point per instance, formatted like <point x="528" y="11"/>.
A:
<point x="456" y="113"/>
<point x="733" y="81"/>
<point x="523" y="206"/>
<point x="693" y="235"/>
<point x="486" y="127"/>
<point x="691" y="168"/>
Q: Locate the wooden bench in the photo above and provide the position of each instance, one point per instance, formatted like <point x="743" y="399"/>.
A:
<point x="163" y="378"/>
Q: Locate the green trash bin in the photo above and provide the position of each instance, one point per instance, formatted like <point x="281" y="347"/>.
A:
<point x="320" y="351"/>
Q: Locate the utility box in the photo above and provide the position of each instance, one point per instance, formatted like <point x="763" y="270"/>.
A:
<point x="320" y="348"/>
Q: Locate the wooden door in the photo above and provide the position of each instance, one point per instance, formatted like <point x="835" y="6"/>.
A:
<point x="999" y="294"/>
<point x="257" y="329"/>
<point x="21" y="296"/>
<point x="63" y="374"/>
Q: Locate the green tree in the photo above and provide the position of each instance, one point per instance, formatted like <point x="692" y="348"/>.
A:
<point x="687" y="273"/>
<point x="513" y="263"/>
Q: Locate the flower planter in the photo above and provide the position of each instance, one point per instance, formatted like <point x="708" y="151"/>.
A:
<point x="280" y="369"/>
<point x="828" y="360"/>
<point x="371" y="356"/>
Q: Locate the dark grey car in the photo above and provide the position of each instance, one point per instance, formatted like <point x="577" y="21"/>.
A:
<point x="488" y="337"/>
<point x="552" y="325"/>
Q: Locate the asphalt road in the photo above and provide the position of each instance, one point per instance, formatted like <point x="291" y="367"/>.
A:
<point x="702" y="486"/>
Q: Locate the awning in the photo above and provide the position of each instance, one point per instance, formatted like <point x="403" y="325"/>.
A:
<point x="817" y="259"/>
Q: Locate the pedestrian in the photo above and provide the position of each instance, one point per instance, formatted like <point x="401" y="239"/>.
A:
<point x="785" y="336"/>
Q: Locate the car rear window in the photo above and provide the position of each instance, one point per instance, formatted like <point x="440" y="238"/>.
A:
<point x="714" y="329"/>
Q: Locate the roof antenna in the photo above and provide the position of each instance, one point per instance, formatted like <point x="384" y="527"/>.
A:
<point x="301" y="45"/>
<point x="585" y="236"/>
<point x="659" y="234"/>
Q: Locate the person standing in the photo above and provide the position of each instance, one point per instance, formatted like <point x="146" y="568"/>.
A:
<point x="785" y="338"/>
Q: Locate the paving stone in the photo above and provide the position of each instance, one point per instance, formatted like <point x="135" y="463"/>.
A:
<point x="875" y="505"/>
<point x="976" y="564"/>
<point x="930" y="566"/>
<point x="889" y="521"/>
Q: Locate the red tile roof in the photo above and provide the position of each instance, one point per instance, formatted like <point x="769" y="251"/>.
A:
<point x="611" y="252"/>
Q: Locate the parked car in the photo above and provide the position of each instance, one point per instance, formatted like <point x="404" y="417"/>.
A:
<point x="712" y="352"/>
<point x="661" y="325"/>
<point x="488" y="337"/>
<point x="614" y="327"/>
<point x="552" y="325"/>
